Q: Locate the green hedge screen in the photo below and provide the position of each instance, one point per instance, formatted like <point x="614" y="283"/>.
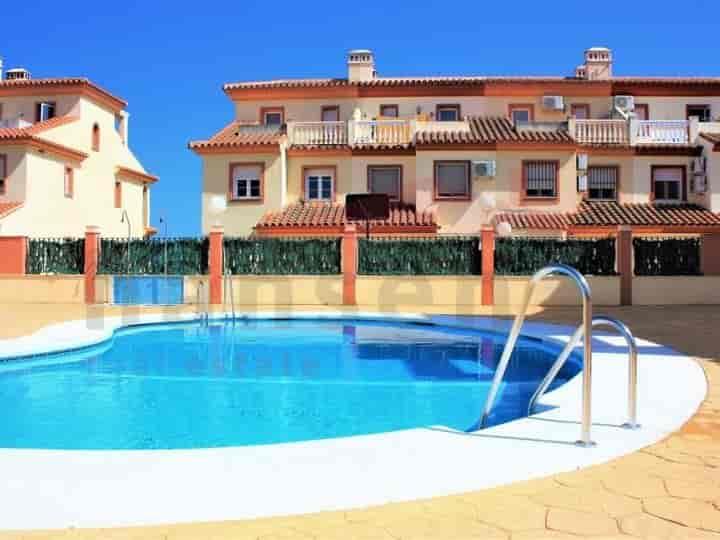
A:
<point x="55" y="256"/>
<point x="184" y="256"/>
<point x="667" y="256"/>
<point x="283" y="256"/>
<point x="525" y="256"/>
<point x="420" y="256"/>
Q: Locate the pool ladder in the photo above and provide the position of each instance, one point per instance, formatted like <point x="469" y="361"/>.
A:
<point x="228" y="286"/>
<point x="583" y="331"/>
<point x="200" y="293"/>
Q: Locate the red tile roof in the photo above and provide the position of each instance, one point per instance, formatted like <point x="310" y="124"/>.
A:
<point x="469" y="80"/>
<point x="714" y="138"/>
<point x="37" y="127"/>
<point x="8" y="207"/>
<point x="605" y="214"/>
<point x="332" y="216"/>
<point x="237" y="134"/>
<point x="491" y="130"/>
<point x="49" y="85"/>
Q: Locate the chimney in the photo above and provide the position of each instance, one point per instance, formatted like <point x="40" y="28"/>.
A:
<point x="361" y="65"/>
<point x="598" y="64"/>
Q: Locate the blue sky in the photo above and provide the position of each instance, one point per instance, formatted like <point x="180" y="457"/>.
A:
<point x="169" y="60"/>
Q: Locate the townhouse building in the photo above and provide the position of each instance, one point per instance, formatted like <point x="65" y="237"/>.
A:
<point x="579" y="154"/>
<point x="65" y="160"/>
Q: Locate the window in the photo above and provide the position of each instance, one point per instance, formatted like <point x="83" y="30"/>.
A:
<point x="330" y="113"/>
<point x="3" y="174"/>
<point x="272" y="116"/>
<point x="69" y="187"/>
<point x="581" y="111"/>
<point x="389" y="111"/>
<point x="118" y="194"/>
<point x="447" y="113"/>
<point x="642" y="111"/>
<point x="319" y="184"/>
<point x="246" y="181"/>
<point x="701" y="111"/>
<point x="521" y="113"/>
<point x="602" y="183"/>
<point x="668" y="183"/>
<point x="385" y="179"/>
<point x="540" y="179"/>
<point x="96" y="138"/>
<point x="452" y="180"/>
<point x="44" y="110"/>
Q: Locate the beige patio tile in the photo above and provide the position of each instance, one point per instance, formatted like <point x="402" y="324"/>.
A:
<point x="692" y="490"/>
<point x="596" y="501"/>
<point x="695" y="514"/>
<point x="634" y="484"/>
<point x="511" y="513"/>
<point x="580" y="523"/>
<point x="647" y="526"/>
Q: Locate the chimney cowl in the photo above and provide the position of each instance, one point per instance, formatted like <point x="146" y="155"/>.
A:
<point x="17" y="74"/>
<point x="361" y="65"/>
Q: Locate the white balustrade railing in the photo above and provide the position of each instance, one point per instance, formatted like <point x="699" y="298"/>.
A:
<point x="594" y="131"/>
<point x="16" y="123"/>
<point x="380" y="132"/>
<point x="317" y="133"/>
<point x="662" y="132"/>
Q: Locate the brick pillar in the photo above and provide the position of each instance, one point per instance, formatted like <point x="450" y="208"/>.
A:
<point x="349" y="261"/>
<point x="13" y="254"/>
<point x="215" y="264"/>
<point x="487" y="239"/>
<point x="92" y="245"/>
<point x="710" y="254"/>
<point x="625" y="264"/>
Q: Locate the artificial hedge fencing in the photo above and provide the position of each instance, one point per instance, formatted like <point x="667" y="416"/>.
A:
<point x="420" y="257"/>
<point x="525" y="256"/>
<point x="176" y="256"/>
<point x="55" y="256"/>
<point x="667" y="256"/>
<point x="282" y="256"/>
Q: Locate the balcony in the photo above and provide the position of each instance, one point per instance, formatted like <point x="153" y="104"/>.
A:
<point x="15" y="123"/>
<point x="633" y="132"/>
<point x="384" y="132"/>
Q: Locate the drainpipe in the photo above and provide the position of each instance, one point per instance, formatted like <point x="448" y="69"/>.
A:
<point x="283" y="174"/>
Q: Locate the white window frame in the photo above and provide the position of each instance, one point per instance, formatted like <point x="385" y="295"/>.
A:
<point x="45" y="107"/>
<point x="319" y="176"/>
<point x="245" y="175"/>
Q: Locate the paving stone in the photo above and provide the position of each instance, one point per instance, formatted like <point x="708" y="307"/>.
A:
<point x="695" y="514"/>
<point x="638" y="485"/>
<point x="647" y="526"/>
<point x="596" y="501"/>
<point x="581" y="523"/>
<point x="692" y="490"/>
<point x="511" y="513"/>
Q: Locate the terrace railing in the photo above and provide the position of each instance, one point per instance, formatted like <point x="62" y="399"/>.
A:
<point x="317" y="133"/>
<point x="662" y="132"/>
<point x="380" y="131"/>
<point x="593" y="131"/>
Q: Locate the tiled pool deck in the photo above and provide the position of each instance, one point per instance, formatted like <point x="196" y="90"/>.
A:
<point x="668" y="490"/>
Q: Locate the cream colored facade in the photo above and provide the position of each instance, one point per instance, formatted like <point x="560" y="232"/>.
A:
<point x="36" y="166"/>
<point x="359" y="100"/>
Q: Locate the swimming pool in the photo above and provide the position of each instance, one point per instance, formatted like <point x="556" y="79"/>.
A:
<point x="250" y="382"/>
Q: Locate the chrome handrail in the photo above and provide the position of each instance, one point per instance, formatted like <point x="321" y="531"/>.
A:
<point x="228" y="285"/>
<point x="582" y="284"/>
<point x="204" y="316"/>
<point x="624" y="331"/>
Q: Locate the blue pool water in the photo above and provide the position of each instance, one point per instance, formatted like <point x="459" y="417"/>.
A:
<point x="187" y="385"/>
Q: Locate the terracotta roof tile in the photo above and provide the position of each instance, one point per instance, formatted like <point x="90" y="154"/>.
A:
<point x="239" y="134"/>
<point x="712" y="137"/>
<point x="7" y="207"/>
<point x="332" y="215"/>
<point x="464" y="80"/>
<point x="37" y="127"/>
<point x="491" y="130"/>
<point x="603" y="214"/>
<point x="52" y="83"/>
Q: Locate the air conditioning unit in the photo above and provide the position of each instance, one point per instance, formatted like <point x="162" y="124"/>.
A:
<point x="582" y="183"/>
<point x="553" y="103"/>
<point x="582" y="162"/>
<point x="624" y="103"/>
<point x="484" y="168"/>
